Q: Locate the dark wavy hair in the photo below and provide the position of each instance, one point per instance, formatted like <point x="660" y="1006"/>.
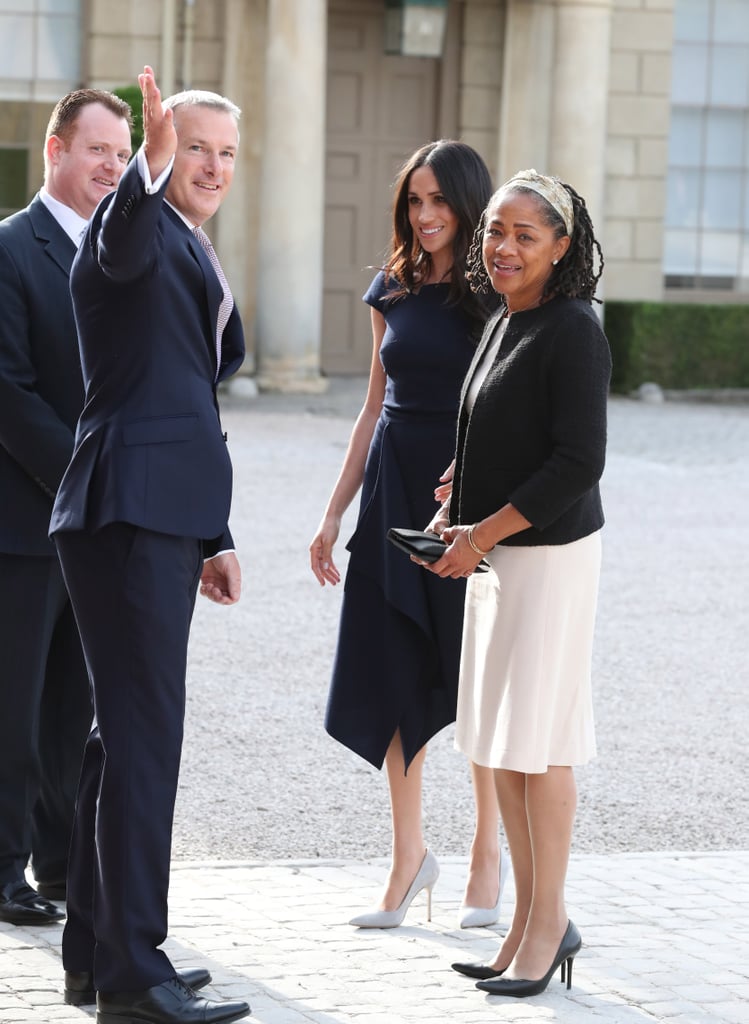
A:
<point x="465" y="183"/>
<point x="576" y="275"/>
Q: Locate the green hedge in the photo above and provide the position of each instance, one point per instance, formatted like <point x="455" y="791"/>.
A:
<point x="131" y="94"/>
<point x="677" y="346"/>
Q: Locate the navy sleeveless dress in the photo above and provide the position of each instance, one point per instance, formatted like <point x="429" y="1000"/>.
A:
<point x="398" y="653"/>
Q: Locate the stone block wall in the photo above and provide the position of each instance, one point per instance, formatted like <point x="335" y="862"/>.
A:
<point x="122" y="37"/>
<point x="637" y="148"/>
<point x="480" y="87"/>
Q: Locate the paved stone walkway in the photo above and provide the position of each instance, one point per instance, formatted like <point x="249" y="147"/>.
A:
<point x="666" y="935"/>
<point x="666" y="938"/>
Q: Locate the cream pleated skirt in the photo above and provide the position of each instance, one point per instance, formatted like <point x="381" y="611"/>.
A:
<point x="524" y="698"/>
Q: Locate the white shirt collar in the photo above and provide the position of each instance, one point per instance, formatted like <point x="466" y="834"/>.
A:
<point x="181" y="215"/>
<point x="71" y="222"/>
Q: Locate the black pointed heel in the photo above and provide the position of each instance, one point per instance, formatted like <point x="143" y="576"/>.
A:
<point x="482" y="971"/>
<point x="569" y="947"/>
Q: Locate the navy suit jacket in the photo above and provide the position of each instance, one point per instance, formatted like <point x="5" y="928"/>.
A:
<point x="149" y="448"/>
<point x="41" y="388"/>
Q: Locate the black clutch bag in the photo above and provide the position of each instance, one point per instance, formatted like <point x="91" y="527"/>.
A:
<point x="427" y="547"/>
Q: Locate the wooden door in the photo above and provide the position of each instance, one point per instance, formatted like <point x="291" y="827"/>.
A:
<point x="379" y="110"/>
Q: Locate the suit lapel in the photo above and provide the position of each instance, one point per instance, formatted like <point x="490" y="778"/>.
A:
<point x="213" y="291"/>
<point x="195" y="248"/>
<point x="232" y="342"/>
<point x="48" y="233"/>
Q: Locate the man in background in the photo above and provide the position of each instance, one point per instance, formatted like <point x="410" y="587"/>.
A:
<point x="45" y="708"/>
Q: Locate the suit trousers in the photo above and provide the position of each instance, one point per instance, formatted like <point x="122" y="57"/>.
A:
<point x="133" y="591"/>
<point x="46" y="716"/>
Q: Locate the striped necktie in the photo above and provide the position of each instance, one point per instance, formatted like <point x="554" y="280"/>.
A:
<point x="227" y="303"/>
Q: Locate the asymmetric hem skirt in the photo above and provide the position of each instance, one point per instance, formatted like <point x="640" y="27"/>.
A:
<point x="524" y="697"/>
<point x="398" y="653"/>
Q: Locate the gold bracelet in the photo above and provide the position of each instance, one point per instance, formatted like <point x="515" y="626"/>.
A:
<point x="473" y="543"/>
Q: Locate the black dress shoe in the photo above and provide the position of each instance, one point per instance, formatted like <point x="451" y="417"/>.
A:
<point x="80" y="991"/>
<point x="481" y="971"/>
<point x="172" y="1002"/>
<point x="52" y="890"/>
<point x="20" y="904"/>
<point x="519" y="987"/>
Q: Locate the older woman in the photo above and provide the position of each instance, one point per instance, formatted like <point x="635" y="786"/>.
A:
<point x="525" y="496"/>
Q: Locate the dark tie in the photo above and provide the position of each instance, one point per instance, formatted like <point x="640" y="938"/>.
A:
<point x="227" y="303"/>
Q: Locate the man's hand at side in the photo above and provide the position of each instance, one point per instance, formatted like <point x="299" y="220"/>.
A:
<point x="221" y="580"/>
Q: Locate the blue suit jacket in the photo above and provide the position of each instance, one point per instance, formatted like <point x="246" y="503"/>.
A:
<point x="149" y="448"/>
<point x="41" y="388"/>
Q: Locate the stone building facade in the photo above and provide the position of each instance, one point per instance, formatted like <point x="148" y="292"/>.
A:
<point x="584" y="89"/>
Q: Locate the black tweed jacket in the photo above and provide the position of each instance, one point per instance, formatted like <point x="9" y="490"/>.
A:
<point x="536" y="436"/>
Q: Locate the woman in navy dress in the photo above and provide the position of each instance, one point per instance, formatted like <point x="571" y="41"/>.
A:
<point x="395" y="675"/>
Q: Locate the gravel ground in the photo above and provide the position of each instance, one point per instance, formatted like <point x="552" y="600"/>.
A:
<point x="262" y="780"/>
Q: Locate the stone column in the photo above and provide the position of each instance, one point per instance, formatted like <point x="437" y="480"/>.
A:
<point x="167" y="74"/>
<point x="555" y="93"/>
<point x="525" y="107"/>
<point x="579" y="99"/>
<point x="290" y="271"/>
<point x="236" y="226"/>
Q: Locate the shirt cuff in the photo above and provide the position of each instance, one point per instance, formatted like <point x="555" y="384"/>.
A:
<point x="225" y="551"/>
<point x="141" y="163"/>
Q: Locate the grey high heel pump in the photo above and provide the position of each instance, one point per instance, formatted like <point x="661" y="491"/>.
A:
<point x="481" y="917"/>
<point x="425" y="878"/>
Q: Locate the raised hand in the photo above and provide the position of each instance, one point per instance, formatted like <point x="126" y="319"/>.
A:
<point x="159" y="133"/>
